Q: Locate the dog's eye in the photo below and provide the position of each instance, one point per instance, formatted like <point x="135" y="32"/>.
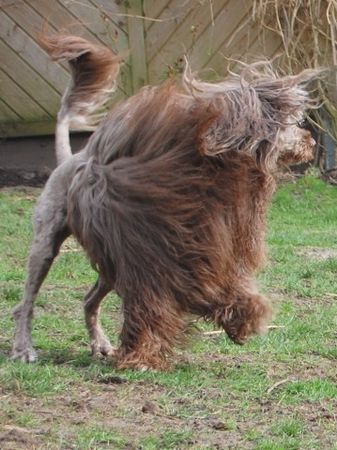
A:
<point x="302" y="123"/>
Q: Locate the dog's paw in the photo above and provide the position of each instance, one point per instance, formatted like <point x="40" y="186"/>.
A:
<point x="133" y="361"/>
<point x="239" y="340"/>
<point x="27" y="355"/>
<point x="140" y="367"/>
<point x="102" y="349"/>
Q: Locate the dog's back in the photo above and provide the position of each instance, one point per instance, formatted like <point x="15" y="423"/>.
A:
<point x="139" y="206"/>
<point x="153" y="212"/>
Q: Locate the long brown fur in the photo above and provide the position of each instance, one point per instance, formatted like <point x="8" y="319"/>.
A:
<point x="169" y="200"/>
<point x="171" y="206"/>
<point x="94" y="71"/>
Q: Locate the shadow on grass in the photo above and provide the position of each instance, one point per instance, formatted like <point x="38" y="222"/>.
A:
<point x="59" y="357"/>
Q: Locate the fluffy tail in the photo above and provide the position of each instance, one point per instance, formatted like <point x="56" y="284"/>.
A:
<point x="94" y="71"/>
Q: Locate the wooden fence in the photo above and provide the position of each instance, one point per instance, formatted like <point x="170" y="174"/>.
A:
<point x="155" y="33"/>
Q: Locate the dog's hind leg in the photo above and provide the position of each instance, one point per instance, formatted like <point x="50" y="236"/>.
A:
<point x="50" y="232"/>
<point x="100" y="344"/>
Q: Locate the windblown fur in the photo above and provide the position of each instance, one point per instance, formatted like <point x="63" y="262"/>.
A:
<point x="94" y="70"/>
<point x="169" y="200"/>
<point x="171" y="205"/>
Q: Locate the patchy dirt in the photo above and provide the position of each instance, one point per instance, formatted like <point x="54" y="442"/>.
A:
<point x="330" y="176"/>
<point x="22" y="178"/>
<point x="319" y="254"/>
<point x="31" y="192"/>
<point x="134" y="411"/>
<point x="211" y="413"/>
<point x="139" y="409"/>
<point x="16" y="437"/>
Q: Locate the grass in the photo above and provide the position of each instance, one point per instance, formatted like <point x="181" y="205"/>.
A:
<point x="277" y="392"/>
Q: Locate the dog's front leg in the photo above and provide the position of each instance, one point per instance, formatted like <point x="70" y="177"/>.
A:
<point x="100" y="344"/>
<point x="50" y="232"/>
<point x="152" y="326"/>
<point x="242" y="312"/>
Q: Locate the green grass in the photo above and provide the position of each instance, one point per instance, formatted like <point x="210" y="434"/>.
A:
<point x="168" y="440"/>
<point x="277" y="392"/>
<point x="95" y="438"/>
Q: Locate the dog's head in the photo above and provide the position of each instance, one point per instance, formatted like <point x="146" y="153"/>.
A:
<point x="257" y="114"/>
<point x="295" y="142"/>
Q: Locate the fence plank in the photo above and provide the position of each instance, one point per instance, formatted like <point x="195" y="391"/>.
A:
<point x="35" y="86"/>
<point x="7" y="114"/>
<point x="26" y="17"/>
<point x="24" y="105"/>
<point x="19" y="129"/>
<point x="186" y="35"/>
<point x="53" y="14"/>
<point x="232" y="49"/>
<point x="137" y="45"/>
<point x="172" y="17"/>
<point x="218" y="33"/>
<point x="269" y="47"/>
<point x="119" y="36"/>
<point x="32" y="53"/>
<point x="246" y="46"/>
<point x="113" y="13"/>
<point x="57" y="17"/>
<point x="90" y="16"/>
<point x="152" y="9"/>
<point x="207" y="30"/>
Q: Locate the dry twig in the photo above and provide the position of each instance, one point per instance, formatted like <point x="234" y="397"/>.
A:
<point x="215" y="332"/>
<point x="279" y="383"/>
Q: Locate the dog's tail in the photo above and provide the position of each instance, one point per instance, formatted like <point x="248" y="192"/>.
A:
<point x="94" y="70"/>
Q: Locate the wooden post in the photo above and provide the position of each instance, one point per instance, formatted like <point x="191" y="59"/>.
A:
<point x="139" y="75"/>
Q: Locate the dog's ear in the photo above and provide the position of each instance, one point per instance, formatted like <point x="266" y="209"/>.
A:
<point x="236" y="124"/>
<point x="285" y="97"/>
<point x="248" y="112"/>
<point x="210" y="139"/>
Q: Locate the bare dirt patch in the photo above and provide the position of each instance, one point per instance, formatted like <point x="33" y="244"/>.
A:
<point x="132" y="410"/>
<point x="22" y="177"/>
<point x="319" y="254"/>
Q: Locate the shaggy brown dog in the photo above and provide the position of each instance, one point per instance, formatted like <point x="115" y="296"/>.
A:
<point x="169" y="200"/>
